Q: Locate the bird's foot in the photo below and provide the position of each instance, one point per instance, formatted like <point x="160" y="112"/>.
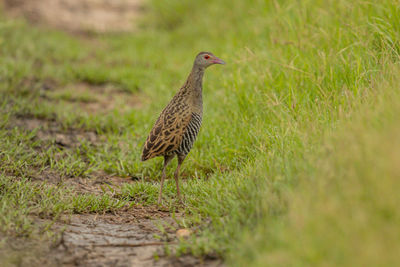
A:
<point x="159" y="202"/>
<point x="180" y="202"/>
<point x="161" y="206"/>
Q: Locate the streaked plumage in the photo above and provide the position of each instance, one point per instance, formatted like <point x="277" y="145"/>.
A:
<point x="177" y="127"/>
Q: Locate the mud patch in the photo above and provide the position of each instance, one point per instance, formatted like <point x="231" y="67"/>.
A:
<point x="52" y="131"/>
<point x="97" y="99"/>
<point x="98" y="183"/>
<point x="78" y="15"/>
<point x="92" y="240"/>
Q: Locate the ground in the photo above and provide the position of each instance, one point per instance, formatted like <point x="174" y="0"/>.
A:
<point x="125" y="237"/>
<point x="79" y="15"/>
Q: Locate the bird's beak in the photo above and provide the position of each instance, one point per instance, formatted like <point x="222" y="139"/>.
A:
<point x="218" y="61"/>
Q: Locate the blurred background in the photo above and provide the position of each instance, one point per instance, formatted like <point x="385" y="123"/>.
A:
<point x="76" y="15"/>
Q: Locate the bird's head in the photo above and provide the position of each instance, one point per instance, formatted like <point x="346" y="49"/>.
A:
<point x="206" y="59"/>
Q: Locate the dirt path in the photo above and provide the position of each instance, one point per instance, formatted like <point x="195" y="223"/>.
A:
<point x="125" y="239"/>
<point x="78" y="15"/>
<point x="112" y="240"/>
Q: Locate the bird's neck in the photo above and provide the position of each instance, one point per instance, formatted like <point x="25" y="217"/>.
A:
<point x="195" y="79"/>
<point x="194" y="86"/>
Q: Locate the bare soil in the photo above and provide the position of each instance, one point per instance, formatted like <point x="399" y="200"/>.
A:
<point x="78" y="15"/>
<point x="97" y="99"/>
<point x="109" y="240"/>
<point x="98" y="183"/>
<point x="126" y="238"/>
<point x="52" y="131"/>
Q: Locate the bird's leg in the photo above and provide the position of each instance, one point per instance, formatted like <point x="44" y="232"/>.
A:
<point x="176" y="176"/>
<point x="167" y="159"/>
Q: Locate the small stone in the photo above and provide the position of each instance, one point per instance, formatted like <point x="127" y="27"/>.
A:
<point x="183" y="233"/>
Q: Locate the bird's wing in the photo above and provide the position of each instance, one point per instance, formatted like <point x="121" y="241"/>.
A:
<point x="168" y="131"/>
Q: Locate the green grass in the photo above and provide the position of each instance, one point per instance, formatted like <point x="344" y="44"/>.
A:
<point x="283" y="170"/>
<point x="342" y="209"/>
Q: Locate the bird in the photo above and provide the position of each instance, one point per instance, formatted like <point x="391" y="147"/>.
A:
<point x="176" y="129"/>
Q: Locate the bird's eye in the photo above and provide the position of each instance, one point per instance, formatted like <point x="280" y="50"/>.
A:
<point x="206" y="56"/>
